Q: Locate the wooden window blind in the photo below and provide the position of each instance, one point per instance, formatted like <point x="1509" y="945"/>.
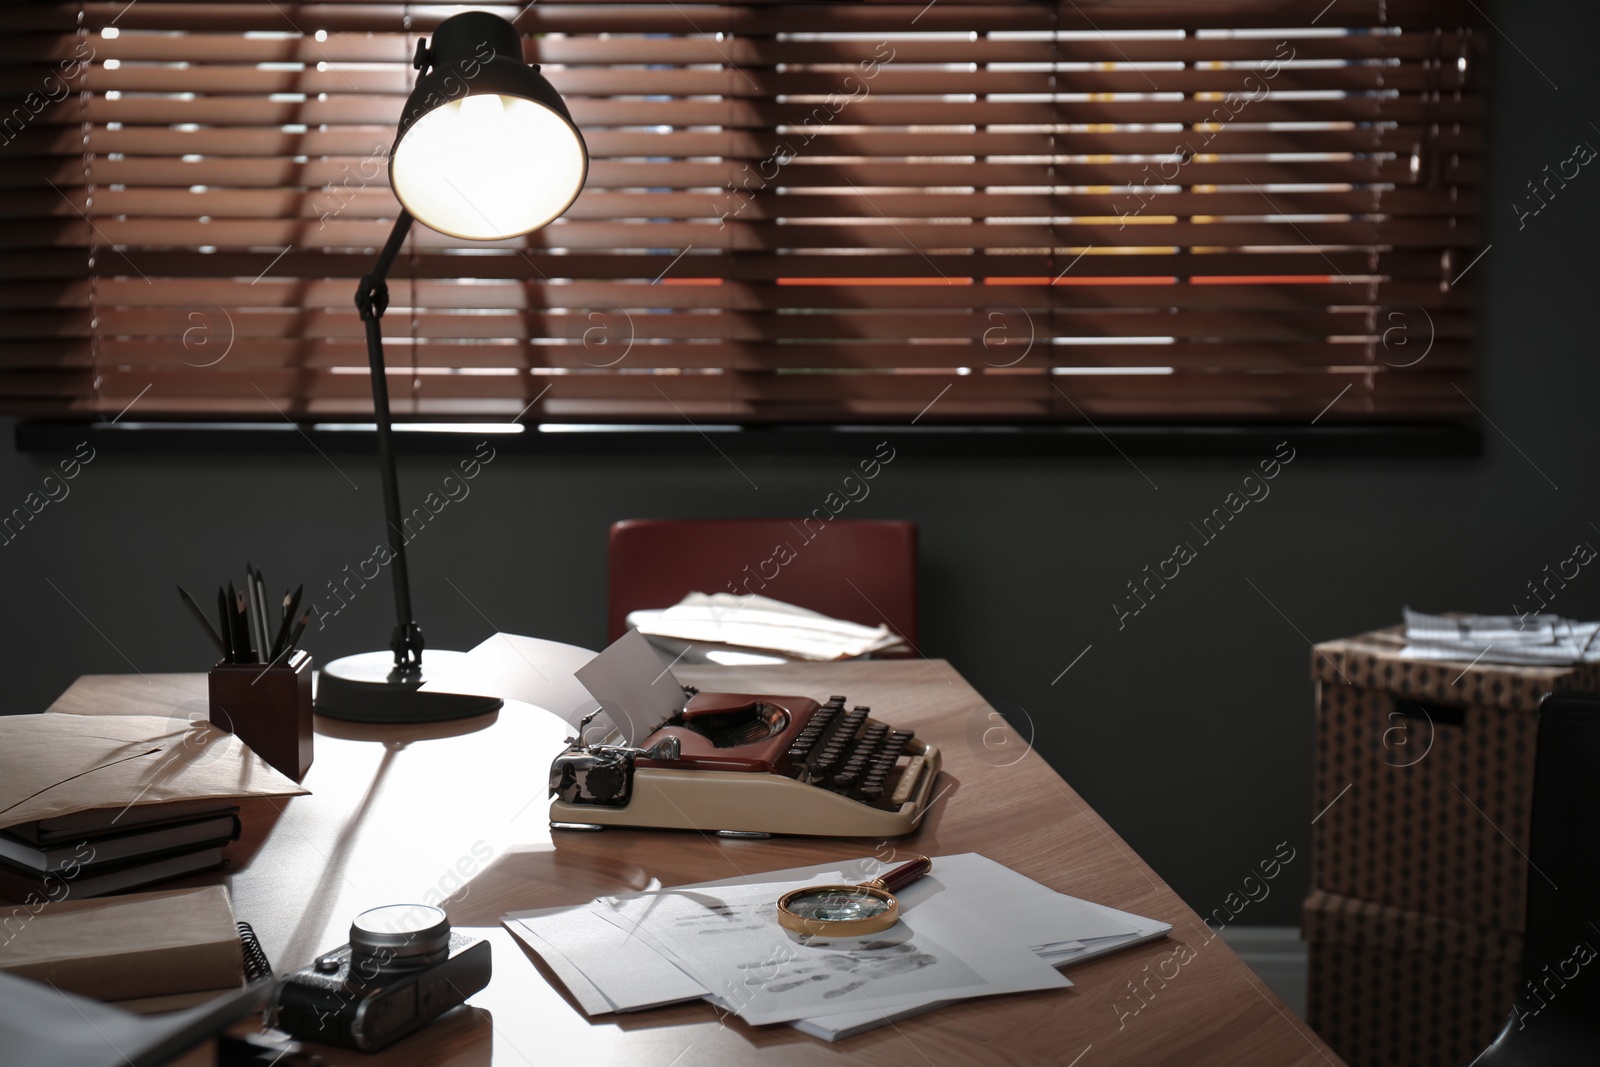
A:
<point x="1002" y="212"/>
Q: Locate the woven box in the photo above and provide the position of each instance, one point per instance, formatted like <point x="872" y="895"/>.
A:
<point x="1396" y="988"/>
<point x="1424" y="778"/>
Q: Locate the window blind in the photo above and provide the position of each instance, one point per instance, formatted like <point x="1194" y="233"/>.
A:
<point x="1003" y="212"/>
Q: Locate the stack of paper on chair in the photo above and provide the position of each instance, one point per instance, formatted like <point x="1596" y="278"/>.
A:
<point x="764" y="623"/>
<point x="95" y="804"/>
<point x="970" y="928"/>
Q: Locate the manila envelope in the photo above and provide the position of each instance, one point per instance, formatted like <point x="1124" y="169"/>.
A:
<point x="57" y="764"/>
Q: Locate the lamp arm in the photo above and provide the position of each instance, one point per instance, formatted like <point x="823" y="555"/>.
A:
<point x="372" y="300"/>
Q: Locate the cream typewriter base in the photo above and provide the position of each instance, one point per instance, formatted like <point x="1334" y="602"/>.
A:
<point x="753" y="803"/>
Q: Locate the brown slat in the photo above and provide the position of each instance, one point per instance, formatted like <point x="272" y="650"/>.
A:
<point x="756" y="236"/>
<point x="346" y="201"/>
<point x="866" y="109"/>
<point x="753" y="327"/>
<point x="755" y="51"/>
<point x="800" y="173"/>
<point x="627" y="16"/>
<point x="758" y="387"/>
<point x="936" y="268"/>
<point x="316" y="293"/>
<point x="363" y="141"/>
<point x="757" y="82"/>
<point x="1228" y="399"/>
<point x="684" y="48"/>
<point x="245" y="353"/>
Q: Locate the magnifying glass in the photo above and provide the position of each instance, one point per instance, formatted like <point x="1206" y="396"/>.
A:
<point x="849" y="910"/>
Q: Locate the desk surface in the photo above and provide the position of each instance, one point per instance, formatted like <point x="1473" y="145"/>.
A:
<point x="456" y="813"/>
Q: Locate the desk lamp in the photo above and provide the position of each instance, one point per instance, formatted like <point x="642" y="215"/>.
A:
<point x="485" y="150"/>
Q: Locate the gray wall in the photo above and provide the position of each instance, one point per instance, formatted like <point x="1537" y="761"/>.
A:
<point x="1190" y="729"/>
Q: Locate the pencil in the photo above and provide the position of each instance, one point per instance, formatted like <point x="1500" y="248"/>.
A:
<point x="265" y="618"/>
<point x="234" y="636"/>
<point x="227" y="631"/>
<point x="251" y="617"/>
<point x="205" y="623"/>
<point x="290" y="604"/>
<point x="300" y="628"/>
<point x="241" y="622"/>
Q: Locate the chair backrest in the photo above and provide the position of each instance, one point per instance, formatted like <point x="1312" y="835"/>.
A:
<point x="863" y="571"/>
<point x="1555" y="1017"/>
<point x="1563" y="926"/>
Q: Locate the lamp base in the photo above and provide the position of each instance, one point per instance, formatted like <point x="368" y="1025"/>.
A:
<point x="366" y="688"/>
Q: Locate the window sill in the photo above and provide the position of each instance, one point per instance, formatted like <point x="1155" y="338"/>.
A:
<point x="975" y="441"/>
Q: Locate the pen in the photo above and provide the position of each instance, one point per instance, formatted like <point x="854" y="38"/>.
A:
<point x="204" y="622"/>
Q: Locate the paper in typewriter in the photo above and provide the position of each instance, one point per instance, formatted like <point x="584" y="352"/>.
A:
<point x="636" y="689"/>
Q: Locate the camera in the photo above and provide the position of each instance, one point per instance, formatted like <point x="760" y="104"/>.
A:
<point x="402" y="969"/>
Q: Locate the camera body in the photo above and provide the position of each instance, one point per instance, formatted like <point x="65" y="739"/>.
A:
<point x="384" y="984"/>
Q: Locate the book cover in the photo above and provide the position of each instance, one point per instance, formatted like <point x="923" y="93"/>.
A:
<point x="101" y="822"/>
<point x="142" y="945"/>
<point x="92" y="852"/>
<point x="34" y="891"/>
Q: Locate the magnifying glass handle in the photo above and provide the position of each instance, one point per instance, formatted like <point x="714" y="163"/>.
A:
<point x="904" y="874"/>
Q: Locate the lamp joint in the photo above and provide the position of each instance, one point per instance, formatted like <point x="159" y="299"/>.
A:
<point x="406" y="640"/>
<point x="372" y="298"/>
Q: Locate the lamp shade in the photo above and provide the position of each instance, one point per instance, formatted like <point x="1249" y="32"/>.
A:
<point x="486" y="148"/>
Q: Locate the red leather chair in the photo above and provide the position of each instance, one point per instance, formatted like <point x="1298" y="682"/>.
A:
<point x="808" y="563"/>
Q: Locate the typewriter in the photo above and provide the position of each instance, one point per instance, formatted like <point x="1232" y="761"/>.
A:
<point x="746" y="765"/>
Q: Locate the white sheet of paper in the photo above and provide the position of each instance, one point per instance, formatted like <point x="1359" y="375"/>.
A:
<point x="632" y="973"/>
<point x="760" y="622"/>
<point x="623" y="972"/>
<point x="637" y="690"/>
<point x="1031" y="911"/>
<point x="1034" y="914"/>
<point x="528" y="669"/>
<point x="1014" y="903"/>
<point x="728" y="939"/>
<point x="586" y="993"/>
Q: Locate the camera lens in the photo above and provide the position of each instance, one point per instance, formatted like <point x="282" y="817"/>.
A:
<point x="401" y="936"/>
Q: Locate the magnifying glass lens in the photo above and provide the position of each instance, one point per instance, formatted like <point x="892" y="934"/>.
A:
<point x="849" y="910"/>
<point x="838" y="905"/>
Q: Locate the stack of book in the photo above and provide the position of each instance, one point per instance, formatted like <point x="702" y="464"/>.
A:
<point x="96" y="804"/>
<point x="170" y="943"/>
<point x="106" y="850"/>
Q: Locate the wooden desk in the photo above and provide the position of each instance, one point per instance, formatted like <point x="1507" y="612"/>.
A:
<point x="458" y="811"/>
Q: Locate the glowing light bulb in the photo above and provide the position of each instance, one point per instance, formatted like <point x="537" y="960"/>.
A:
<point x="488" y="166"/>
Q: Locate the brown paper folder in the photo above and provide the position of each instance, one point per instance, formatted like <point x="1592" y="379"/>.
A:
<point x="140" y="945"/>
<point x="53" y="765"/>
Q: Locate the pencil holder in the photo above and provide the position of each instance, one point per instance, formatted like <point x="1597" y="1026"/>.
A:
<point x="268" y="708"/>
